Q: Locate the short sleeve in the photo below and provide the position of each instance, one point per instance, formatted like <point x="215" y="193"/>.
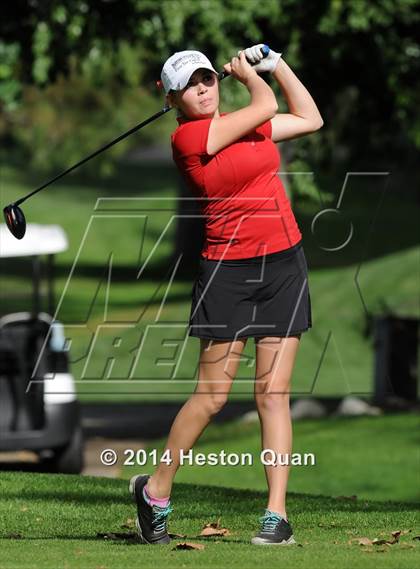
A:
<point x="189" y="149"/>
<point x="265" y="129"/>
<point x="191" y="138"/>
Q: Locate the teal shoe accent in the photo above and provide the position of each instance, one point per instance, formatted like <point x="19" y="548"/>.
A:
<point x="269" y="521"/>
<point x="159" y="517"/>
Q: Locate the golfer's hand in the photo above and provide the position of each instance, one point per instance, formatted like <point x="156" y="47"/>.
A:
<point x="259" y="62"/>
<point x="240" y="68"/>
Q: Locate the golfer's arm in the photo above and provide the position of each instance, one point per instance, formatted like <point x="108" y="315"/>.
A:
<point x="233" y="126"/>
<point x="303" y="116"/>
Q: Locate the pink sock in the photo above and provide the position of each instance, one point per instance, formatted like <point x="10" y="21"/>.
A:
<point x="161" y="502"/>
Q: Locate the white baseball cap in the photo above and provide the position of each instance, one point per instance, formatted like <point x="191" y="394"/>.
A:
<point x="180" y="66"/>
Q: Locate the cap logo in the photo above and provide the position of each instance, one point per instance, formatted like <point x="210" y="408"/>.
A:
<point x="186" y="60"/>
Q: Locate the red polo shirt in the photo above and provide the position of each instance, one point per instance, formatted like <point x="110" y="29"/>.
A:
<point x="247" y="212"/>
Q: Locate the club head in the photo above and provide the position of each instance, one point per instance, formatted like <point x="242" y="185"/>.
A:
<point x="15" y="220"/>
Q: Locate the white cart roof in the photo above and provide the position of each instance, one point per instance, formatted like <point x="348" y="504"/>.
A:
<point x="38" y="240"/>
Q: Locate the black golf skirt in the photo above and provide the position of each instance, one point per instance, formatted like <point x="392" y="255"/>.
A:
<point x="256" y="297"/>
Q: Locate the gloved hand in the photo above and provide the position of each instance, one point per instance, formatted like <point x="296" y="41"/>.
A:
<point x="260" y="63"/>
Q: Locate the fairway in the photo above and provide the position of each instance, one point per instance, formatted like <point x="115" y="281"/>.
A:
<point x="52" y="521"/>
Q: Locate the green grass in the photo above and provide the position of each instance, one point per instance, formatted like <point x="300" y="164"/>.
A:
<point x="335" y="357"/>
<point x="374" y="458"/>
<point x="52" y="521"/>
<point x="58" y="517"/>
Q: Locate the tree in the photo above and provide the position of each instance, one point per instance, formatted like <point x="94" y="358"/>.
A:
<point x="360" y="59"/>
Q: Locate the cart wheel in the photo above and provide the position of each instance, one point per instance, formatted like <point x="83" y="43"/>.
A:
<point x="67" y="459"/>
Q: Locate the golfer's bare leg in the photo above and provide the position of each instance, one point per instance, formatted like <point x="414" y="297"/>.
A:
<point x="218" y="365"/>
<point x="275" y="358"/>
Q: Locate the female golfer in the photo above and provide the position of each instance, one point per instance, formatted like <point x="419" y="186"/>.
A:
<point x="252" y="279"/>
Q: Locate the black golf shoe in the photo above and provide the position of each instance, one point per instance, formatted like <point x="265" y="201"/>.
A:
<point x="151" y="520"/>
<point x="274" y="531"/>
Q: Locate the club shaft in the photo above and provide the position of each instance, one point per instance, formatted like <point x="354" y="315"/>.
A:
<point x="102" y="149"/>
<point x="265" y="50"/>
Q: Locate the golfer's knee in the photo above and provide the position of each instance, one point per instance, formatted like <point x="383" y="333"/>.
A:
<point x="271" y="402"/>
<point x="212" y="403"/>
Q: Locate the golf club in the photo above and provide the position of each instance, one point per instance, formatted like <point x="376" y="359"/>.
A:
<point x="13" y="214"/>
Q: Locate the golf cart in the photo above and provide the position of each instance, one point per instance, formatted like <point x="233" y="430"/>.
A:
<point x="39" y="410"/>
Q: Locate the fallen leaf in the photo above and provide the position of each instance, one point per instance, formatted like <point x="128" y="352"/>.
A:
<point x="24" y="509"/>
<point x="189" y="545"/>
<point x="364" y="541"/>
<point x="14" y="535"/>
<point x="209" y="531"/>
<point x="380" y="542"/>
<point x="214" y="528"/>
<point x="360" y="541"/>
<point x="416" y="537"/>
<point x="407" y="546"/>
<point x="377" y="541"/>
<point x="395" y="537"/>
